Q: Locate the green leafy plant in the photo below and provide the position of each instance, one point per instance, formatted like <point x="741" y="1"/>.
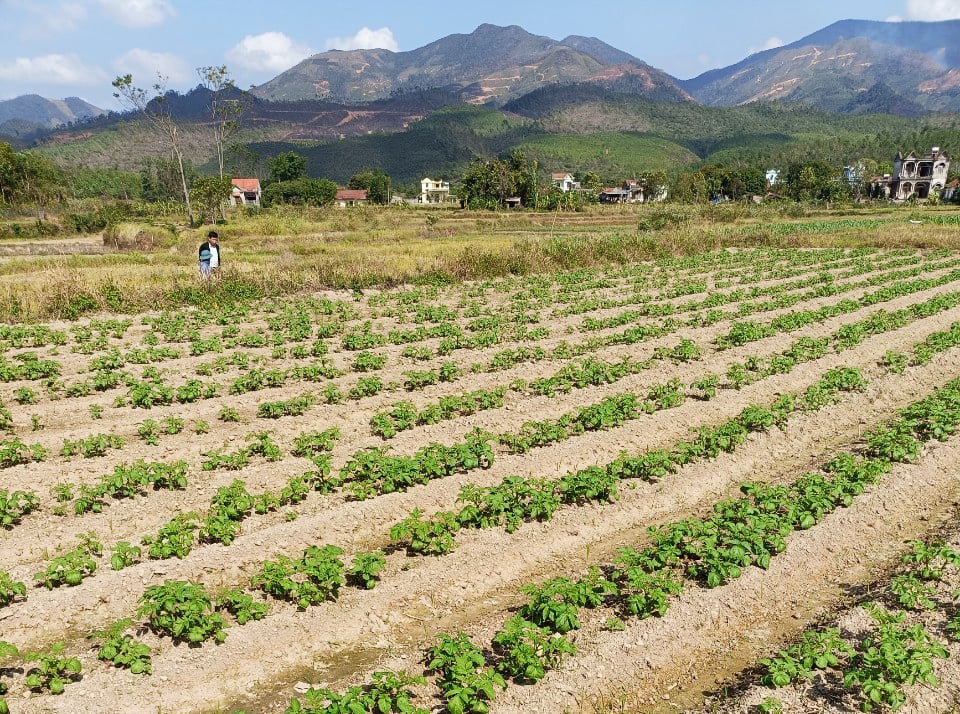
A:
<point x="71" y="568"/>
<point x="525" y="651"/>
<point x="182" y="610"/>
<point x="52" y="671"/>
<point x="122" y="650"/>
<point x="14" y="506"/>
<point x="896" y="655"/>
<point x="365" y="570"/>
<point x="10" y="589"/>
<point x="467" y="683"/>
<point x="242" y="606"/>
<point x="124" y="555"/>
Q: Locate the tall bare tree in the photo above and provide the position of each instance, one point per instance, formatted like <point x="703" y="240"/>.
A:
<point x="226" y="106"/>
<point x="156" y="110"/>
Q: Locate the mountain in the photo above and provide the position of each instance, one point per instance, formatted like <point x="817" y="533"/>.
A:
<point x="492" y="64"/>
<point x="851" y="66"/>
<point x="31" y="112"/>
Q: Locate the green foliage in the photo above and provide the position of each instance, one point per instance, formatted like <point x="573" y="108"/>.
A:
<point x="525" y="651"/>
<point x="815" y="651"/>
<point x="375" y="182"/>
<point x="242" y="606"/>
<point x="122" y="650"/>
<point x="300" y="192"/>
<point x="182" y="610"/>
<point x="52" y="671"/>
<point x="365" y="571"/>
<point x="386" y="693"/>
<point x="313" y="578"/>
<point x="467" y="684"/>
<point x="14" y="506"/>
<point x="10" y="589"/>
<point x="896" y="655"/>
<point x="72" y="567"/>
<point x="288" y="166"/>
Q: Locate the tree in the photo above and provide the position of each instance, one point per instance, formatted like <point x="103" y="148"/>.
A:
<point x="225" y="107"/>
<point x="288" y="166"/>
<point x="209" y="192"/>
<point x="160" y="179"/>
<point x="592" y="182"/>
<point x="8" y="162"/>
<point x="490" y="183"/>
<point x="244" y="161"/>
<point x="300" y="192"/>
<point x="815" y="181"/>
<point x="27" y="177"/>
<point x="157" y="112"/>
<point x="375" y="182"/>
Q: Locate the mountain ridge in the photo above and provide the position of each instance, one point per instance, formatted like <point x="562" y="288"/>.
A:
<point x="492" y="64"/>
<point x="31" y="112"/>
<point x="917" y="62"/>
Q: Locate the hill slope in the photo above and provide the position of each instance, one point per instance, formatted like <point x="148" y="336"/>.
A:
<point x="910" y="66"/>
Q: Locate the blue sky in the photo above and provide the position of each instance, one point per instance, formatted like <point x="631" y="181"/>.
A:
<point x="61" y="48"/>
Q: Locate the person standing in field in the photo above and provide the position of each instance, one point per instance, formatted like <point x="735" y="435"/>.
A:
<point x="210" y="254"/>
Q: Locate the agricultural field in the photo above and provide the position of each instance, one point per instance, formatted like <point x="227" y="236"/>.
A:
<point x="720" y="482"/>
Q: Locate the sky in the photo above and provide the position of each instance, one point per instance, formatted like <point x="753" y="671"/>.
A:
<point x="76" y="48"/>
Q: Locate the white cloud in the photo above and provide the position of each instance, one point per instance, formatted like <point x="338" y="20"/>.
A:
<point x="43" y="20"/>
<point x="365" y="39"/>
<point x="768" y="45"/>
<point x="149" y="65"/>
<point x="50" y="69"/>
<point x="270" y="51"/>
<point x="933" y="10"/>
<point x="139" y="13"/>
<point x="895" y="18"/>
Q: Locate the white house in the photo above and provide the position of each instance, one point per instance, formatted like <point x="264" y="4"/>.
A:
<point x="246" y="192"/>
<point x="434" y="191"/>
<point x="565" y="182"/>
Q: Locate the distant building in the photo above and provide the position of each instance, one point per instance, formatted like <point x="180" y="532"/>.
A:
<point x="434" y="191"/>
<point x="913" y="176"/>
<point x="565" y="182"/>
<point x="632" y="191"/>
<point x="951" y="192"/>
<point x="245" y="192"/>
<point x="773" y="176"/>
<point x="350" y="197"/>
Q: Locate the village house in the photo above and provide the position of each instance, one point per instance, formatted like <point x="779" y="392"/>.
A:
<point x="434" y="191"/>
<point x="245" y="192"/>
<point x="350" y="197"/>
<point x="632" y="191"/>
<point x="913" y="176"/>
<point x="565" y="182"/>
<point x="951" y="192"/>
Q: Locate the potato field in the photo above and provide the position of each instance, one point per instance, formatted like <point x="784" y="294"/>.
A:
<point x="726" y="482"/>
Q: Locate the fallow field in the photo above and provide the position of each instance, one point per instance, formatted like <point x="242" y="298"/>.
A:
<point x="725" y="481"/>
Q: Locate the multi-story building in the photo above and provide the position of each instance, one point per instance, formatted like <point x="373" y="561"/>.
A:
<point x="913" y="176"/>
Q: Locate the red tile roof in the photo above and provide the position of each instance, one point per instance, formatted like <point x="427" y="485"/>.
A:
<point x="246" y="184"/>
<point x="351" y="194"/>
